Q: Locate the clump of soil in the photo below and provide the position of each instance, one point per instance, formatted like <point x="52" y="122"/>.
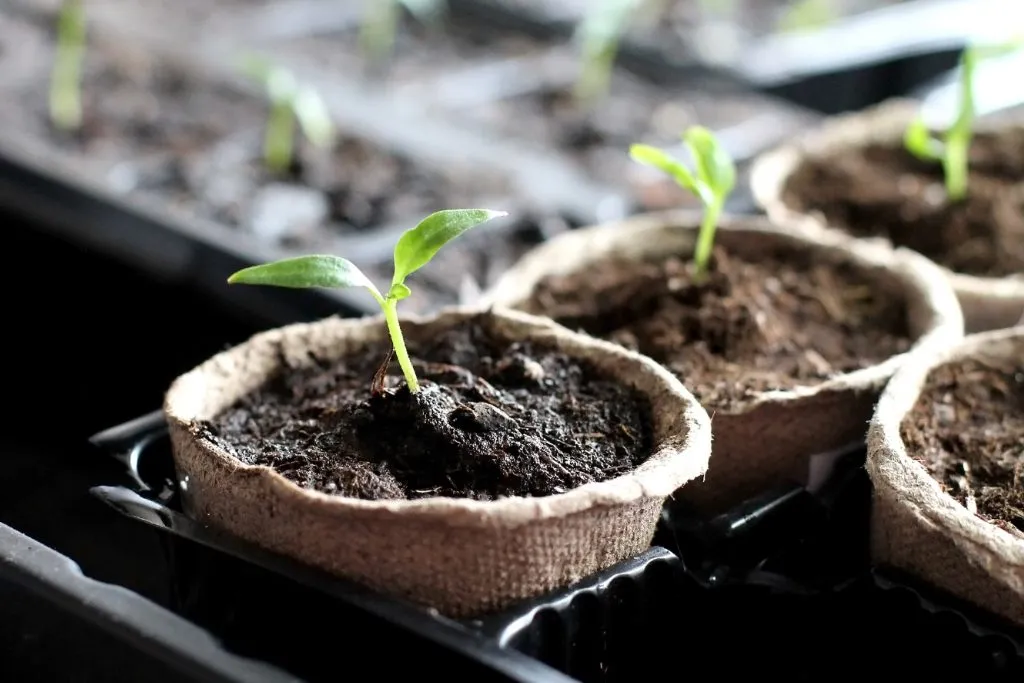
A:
<point x="884" y="191"/>
<point x="967" y="429"/>
<point x="750" y="327"/>
<point x="491" y="420"/>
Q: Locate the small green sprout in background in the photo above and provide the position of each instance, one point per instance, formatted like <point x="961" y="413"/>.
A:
<point x="712" y="182"/>
<point x="807" y="15"/>
<point x="415" y="248"/>
<point x="952" y="149"/>
<point x="380" y="22"/>
<point x="289" y="102"/>
<point x="65" y="82"/>
<point x="598" y="36"/>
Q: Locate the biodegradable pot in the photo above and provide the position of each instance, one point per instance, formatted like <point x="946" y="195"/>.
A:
<point x="778" y="436"/>
<point x="920" y="529"/>
<point x="463" y="557"/>
<point x="987" y="303"/>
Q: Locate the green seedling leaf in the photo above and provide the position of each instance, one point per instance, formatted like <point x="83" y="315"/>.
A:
<point x="418" y="245"/>
<point x="414" y="249"/>
<point x="314" y="118"/>
<point x="305" y="272"/>
<point x="919" y="141"/>
<point x="712" y="183"/>
<point x="715" y="168"/>
<point x="656" y="158"/>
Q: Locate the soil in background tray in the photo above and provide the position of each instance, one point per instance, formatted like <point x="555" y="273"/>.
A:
<point x="156" y="130"/>
<point x="460" y="272"/>
<point x="967" y="429"/>
<point x="786" y="320"/>
<point x="885" y="191"/>
<point x="491" y="420"/>
<point x="597" y="136"/>
<point x="421" y="50"/>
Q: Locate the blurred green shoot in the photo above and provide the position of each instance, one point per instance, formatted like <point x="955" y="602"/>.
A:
<point x="598" y="36"/>
<point x="290" y="102"/>
<point x="952" y="148"/>
<point x="65" y="80"/>
<point x="712" y="182"/>
<point x="380" y="23"/>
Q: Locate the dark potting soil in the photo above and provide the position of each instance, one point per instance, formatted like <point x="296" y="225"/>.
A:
<point x="884" y="191"/>
<point x="967" y="429"/>
<point x="777" y="323"/>
<point x="155" y="130"/>
<point x="491" y="420"/>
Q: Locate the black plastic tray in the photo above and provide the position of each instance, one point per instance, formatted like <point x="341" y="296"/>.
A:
<point x="779" y="585"/>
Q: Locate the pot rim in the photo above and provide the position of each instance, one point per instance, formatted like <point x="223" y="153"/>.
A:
<point x="680" y="453"/>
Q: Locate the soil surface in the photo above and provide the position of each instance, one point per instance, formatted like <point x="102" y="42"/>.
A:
<point x="491" y="420"/>
<point x="597" y="136"/>
<point x="885" y="191"/>
<point x="778" y="323"/>
<point x="157" y="131"/>
<point x="967" y="429"/>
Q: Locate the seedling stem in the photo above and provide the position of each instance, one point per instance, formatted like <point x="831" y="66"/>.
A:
<point x="380" y="23"/>
<point x="414" y="249"/>
<point x="65" y="81"/>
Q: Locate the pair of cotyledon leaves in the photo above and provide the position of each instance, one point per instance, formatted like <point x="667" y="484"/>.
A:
<point x="714" y="176"/>
<point x="416" y="247"/>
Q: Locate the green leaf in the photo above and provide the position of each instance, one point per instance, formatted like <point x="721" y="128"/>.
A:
<point x="652" y="156"/>
<point x="714" y="165"/>
<point x="304" y="272"/>
<point x="918" y="141"/>
<point x="314" y="118"/>
<point x="418" y="245"/>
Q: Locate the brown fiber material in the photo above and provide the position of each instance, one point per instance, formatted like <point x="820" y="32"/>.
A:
<point x="988" y="303"/>
<point x="919" y="528"/>
<point x="773" y="438"/>
<point x="463" y="557"/>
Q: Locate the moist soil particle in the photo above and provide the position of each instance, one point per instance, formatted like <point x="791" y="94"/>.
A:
<point x="967" y="429"/>
<point x="884" y="191"/>
<point x="492" y="419"/>
<point x="779" y="323"/>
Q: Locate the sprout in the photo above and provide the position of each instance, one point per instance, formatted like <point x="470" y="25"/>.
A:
<point x="598" y="36"/>
<point x="377" y="32"/>
<point x="712" y="182"/>
<point x="65" y="81"/>
<point x="807" y="15"/>
<point x="952" y="150"/>
<point x="414" y="250"/>
<point x="289" y="102"/>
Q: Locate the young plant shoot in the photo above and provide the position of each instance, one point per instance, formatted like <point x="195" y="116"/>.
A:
<point x="953" y="147"/>
<point x="712" y="182"/>
<point x="415" y="248"/>
<point x="380" y="22"/>
<point x="598" y="38"/>
<point x="289" y="103"/>
<point x="65" y="81"/>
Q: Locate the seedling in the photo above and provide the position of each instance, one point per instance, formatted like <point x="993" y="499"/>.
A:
<point x="807" y="15"/>
<point x="712" y="182"/>
<point x="65" y="81"/>
<point x="598" y="37"/>
<point x="289" y="102"/>
<point x="415" y="248"/>
<point x="380" y="23"/>
<point x="952" y="148"/>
